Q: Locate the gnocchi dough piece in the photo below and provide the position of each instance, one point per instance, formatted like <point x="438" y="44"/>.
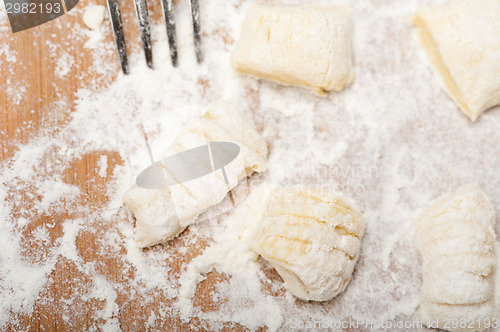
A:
<point x="455" y="238"/>
<point x="161" y="214"/>
<point x="311" y="237"/>
<point x="94" y="16"/>
<point x="307" y="46"/>
<point x="155" y="215"/>
<point x="461" y="40"/>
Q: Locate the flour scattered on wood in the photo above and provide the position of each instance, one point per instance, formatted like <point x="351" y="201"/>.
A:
<point x="64" y="65"/>
<point x="103" y="166"/>
<point x="393" y="141"/>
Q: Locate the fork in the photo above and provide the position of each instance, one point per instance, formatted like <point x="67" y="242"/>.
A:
<point x="141" y="8"/>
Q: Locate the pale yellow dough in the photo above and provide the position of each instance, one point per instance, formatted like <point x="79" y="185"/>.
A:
<point x="461" y="40"/>
<point x="162" y="214"/>
<point x="307" y="46"/>
<point x="311" y="237"/>
<point x="455" y="238"/>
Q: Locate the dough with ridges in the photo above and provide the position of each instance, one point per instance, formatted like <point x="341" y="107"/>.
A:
<point x="455" y="238"/>
<point x="311" y="237"/>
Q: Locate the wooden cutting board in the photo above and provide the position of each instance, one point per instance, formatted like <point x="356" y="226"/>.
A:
<point x="35" y="101"/>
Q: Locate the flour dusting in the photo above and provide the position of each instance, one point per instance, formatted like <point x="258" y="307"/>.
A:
<point x="393" y="141"/>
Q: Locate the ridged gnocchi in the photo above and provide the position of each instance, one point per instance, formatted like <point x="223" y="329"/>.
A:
<point x="455" y="238"/>
<point x="161" y="214"/>
<point x="308" y="46"/>
<point x="311" y="237"/>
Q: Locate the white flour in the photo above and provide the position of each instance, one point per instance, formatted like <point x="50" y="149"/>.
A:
<point x="103" y="166"/>
<point x="393" y="141"/>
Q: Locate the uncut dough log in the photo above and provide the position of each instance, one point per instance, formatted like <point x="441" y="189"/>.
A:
<point x="307" y="46"/>
<point x="163" y="214"/>
<point x="455" y="238"/>
<point x="311" y="237"/>
<point x="461" y="40"/>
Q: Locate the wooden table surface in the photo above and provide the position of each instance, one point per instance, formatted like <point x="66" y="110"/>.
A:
<point x="36" y="102"/>
<point x="397" y="129"/>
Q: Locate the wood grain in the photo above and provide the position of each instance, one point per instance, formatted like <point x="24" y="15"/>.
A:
<point x="35" y="103"/>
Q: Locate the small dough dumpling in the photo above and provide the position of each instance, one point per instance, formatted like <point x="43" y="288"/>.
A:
<point x="307" y="46"/>
<point x="455" y="238"/>
<point x="461" y="40"/>
<point x="162" y="214"/>
<point x="311" y="237"/>
<point x="94" y="16"/>
<point x="155" y="214"/>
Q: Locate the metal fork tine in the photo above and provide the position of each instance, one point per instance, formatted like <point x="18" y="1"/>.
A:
<point x="168" y="9"/>
<point x="116" y="21"/>
<point x="141" y="8"/>
<point x="195" y="13"/>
